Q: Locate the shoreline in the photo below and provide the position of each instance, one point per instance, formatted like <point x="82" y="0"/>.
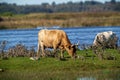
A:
<point x="52" y="27"/>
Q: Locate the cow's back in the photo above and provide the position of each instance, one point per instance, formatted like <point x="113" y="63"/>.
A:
<point x="103" y="36"/>
<point x="107" y="34"/>
<point x="52" y="37"/>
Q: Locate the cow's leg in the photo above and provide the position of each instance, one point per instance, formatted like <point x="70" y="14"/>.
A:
<point x="62" y="54"/>
<point x="55" y="51"/>
<point x="62" y="51"/>
<point x="38" y="51"/>
<point x="42" y="49"/>
<point x="43" y="53"/>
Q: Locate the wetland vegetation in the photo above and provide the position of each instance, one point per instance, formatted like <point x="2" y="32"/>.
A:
<point x="79" y="19"/>
<point x="88" y="65"/>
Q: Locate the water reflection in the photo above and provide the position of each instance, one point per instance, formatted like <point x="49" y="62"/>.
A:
<point x="101" y="75"/>
<point x="86" y="78"/>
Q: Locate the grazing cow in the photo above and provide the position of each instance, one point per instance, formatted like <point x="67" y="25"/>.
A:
<point x="106" y="39"/>
<point x="55" y="39"/>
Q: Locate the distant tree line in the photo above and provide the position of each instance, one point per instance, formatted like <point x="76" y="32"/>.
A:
<point x="87" y="6"/>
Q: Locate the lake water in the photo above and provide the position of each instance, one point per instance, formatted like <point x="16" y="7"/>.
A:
<point x="29" y="37"/>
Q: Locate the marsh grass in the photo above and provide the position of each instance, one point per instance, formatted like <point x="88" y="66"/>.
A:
<point x="60" y="19"/>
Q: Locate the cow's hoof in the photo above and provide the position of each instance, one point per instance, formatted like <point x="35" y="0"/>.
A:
<point x="1" y="70"/>
<point x="34" y="58"/>
<point x="62" y="59"/>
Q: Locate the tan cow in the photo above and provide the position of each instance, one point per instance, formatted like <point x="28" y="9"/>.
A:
<point x="106" y="39"/>
<point x="55" y="39"/>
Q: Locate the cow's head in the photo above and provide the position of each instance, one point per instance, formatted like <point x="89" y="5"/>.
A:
<point x="71" y="49"/>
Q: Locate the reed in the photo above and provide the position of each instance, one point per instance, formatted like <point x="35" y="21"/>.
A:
<point x="60" y="19"/>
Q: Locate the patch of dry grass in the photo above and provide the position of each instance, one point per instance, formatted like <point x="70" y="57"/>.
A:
<point x="61" y="19"/>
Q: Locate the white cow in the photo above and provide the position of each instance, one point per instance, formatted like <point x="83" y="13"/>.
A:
<point x="106" y="39"/>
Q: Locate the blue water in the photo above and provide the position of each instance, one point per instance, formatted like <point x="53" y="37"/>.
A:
<point x="29" y="37"/>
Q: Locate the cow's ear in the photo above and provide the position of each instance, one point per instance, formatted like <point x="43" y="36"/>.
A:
<point x="72" y="46"/>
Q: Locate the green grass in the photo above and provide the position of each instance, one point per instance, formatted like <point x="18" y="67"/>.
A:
<point x="22" y="68"/>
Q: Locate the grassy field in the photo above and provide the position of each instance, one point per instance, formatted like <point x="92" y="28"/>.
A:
<point x="33" y="20"/>
<point x="22" y="68"/>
